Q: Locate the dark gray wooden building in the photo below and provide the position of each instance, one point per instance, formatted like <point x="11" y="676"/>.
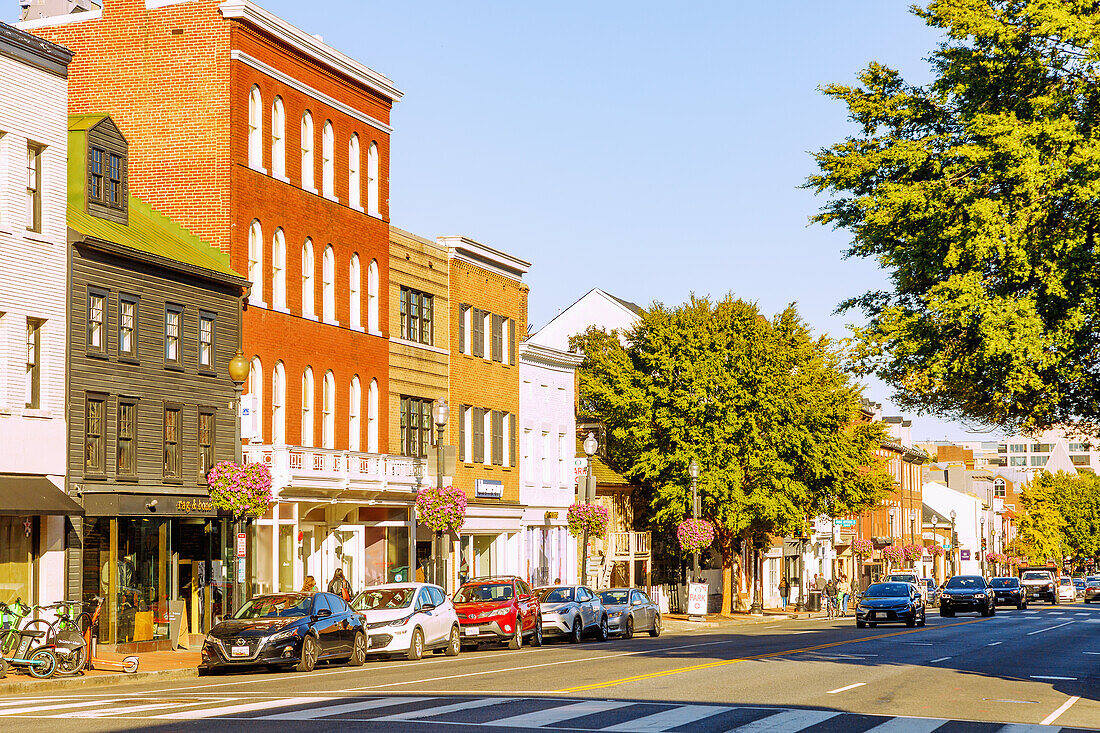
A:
<point x="154" y="319"/>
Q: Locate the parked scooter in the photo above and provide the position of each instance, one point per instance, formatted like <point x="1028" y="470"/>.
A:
<point x="38" y="661"/>
<point x="129" y="665"/>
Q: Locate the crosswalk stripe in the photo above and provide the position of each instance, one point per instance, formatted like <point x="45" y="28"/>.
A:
<point x="351" y="707"/>
<point x="666" y="719"/>
<point x="907" y="725"/>
<point x="22" y="701"/>
<point x="444" y="709"/>
<point x="789" y="721"/>
<point x="559" y="714"/>
<point x="54" y="706"/>
<point x="244" y="708"/>
<point x="112" y="712"/>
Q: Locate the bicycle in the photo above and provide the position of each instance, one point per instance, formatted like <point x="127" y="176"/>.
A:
<point x="61" y="636"/>
<point x="832" y="610"/>
<point x="19" y="648"/>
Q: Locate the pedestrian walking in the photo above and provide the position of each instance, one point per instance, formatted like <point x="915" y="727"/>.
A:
<point x="784" y="592"/>
<point x="830" y="594"/>
<point x="339" y="585"/>
<point x="844" y="590"/>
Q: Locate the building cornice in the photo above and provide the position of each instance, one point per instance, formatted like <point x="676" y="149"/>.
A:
<point x="545" y="356"/>
<point x="290" y="81"/>
<point x="30" y="25"/>
<point x="248" y="12"/>
<point x="38" y="52"/>
<point x="166" y="263"/>
<point x="475" y="253"/>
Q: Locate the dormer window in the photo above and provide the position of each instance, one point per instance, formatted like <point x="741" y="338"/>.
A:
<point x="96" y="190"/>
<point x="114" y="176"/>
<point x="107" y="188"/>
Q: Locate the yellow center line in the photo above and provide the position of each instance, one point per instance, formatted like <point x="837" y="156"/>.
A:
<point x="765" y="655"/>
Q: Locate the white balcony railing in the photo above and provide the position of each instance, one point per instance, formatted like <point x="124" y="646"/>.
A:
<point x="320" y="468"/>
<point x="625" y="545"/>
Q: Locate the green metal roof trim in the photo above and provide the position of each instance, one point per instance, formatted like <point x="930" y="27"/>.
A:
<point x="148" y="230"/>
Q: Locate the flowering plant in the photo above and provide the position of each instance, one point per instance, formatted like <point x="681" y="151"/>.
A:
<point x="441" y="508"/>
<point x="936" y="551"/>
<point x="1015" y="560"/>
<point x="695" y="534"/>
<point x="892" y="553"/>
<point x="995" y="557"/>
<point x="862" y="547"/>
<point x="243" y="491"/>
<point x="592" y="517"/>
<point x="912" y="552"/>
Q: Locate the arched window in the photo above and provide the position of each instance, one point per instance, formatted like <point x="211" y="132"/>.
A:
<point x="307" y="151"/>
<point x="307" y="407"/>
<point x="328" y="411"/>
<point x="278" y="270"/>
<point x="255" y="128"/>
<point x="355" y="293"/>
<point x="256" y="398"/>
<point x="372" y="296"/>
<point x="309" y="284"/>
<point x="256" y="263"/>
<point x="278" y="405"/>
<point x="372" y="180"/>
<point x="372" y="417"/>
<point x="278" y="139"/>
<point x="328" y="285"/>
<point x="355" y="405"/>
<point x="328" y="170"/>
<point x="353" y="172"/>
<point x="999" y="488"/>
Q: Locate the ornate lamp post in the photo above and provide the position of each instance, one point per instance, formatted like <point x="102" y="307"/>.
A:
<point x="590" y="446"/>
<point x="981" y="542"/>
<point x="954" y="542"/>
<point x="440" y="413"/>
<point x="238" y="372"/>
<point x="693" y="469"/>
<point x="891" y="513"/>
<point x="935" y="538"/>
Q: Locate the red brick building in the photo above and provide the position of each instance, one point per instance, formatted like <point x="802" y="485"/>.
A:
<point x="274" y="147"/>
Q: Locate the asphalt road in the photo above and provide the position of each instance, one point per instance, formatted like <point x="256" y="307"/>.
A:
<point x="1019" y="669"/>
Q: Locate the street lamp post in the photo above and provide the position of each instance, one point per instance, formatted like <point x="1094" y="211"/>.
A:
<point x="693" y="469"/>
<point x="981" y="541"/>
<point x="440" y="413"/>
<point x="801" y="605"/>
<point x="891" y="513"/>
<point x="954" y="542"/>
<point x="590" y="446"/>
<point x="935" y="538"/>
<point x="238" y="372"/>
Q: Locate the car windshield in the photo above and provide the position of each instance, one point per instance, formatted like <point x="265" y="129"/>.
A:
<point x="1093" y="579"/>
<point x="484" y="592"/>
<point x="614" y="597"/>
<point x="554" y="595"/>
<point x="281" y="606"/>
<point x="966" y="581"/>
<point x="887" y="590"/>
<point x="382" y="599"/>
<point x="901" y="578"/>
<point x="1065" y="581"/>
<point x="1037" y="575"/>
<point x="1004" y="582"/>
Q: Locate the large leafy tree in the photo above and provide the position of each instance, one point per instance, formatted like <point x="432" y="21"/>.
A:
<point x="1076" y="500"/>
<point x="1039" y="532"/>
<point x="979" y="194"/>
<point x="763" y="406"/>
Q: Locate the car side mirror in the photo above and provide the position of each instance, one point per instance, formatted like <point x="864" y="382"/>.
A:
<point x="427" y="607"/>
<point x="322" y="613"/>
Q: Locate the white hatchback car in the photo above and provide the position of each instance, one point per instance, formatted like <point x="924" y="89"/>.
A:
<point x="408" y="618"/>
<point x="1067" y="591"/>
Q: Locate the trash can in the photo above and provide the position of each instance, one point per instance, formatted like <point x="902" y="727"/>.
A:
<point x="813" y="601"/>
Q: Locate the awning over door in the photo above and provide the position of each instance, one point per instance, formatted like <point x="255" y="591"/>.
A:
<point x="32" y="494"/>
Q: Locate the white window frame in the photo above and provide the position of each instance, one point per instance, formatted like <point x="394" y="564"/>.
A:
<point x="278" y="405"/>
<point x="372" y="297"/>
<point x="278" y="139"/>
<point x="355" y="163"/>
<point x="355" y="409"/>
<point x="328" y="285"/>
<point x="307" y="407"/>
<point x="328" y="161"/>
<point x="372" y="417"/>
<point x="527" y="461"/>
<point x="308" y="146"/>
<point x="256" y="264"/>
<point x="255" y="129"/>
<point x="545" y="474"/>
<point x="309" y="283"/>
<point x="565" y="467"/>
<point x="278" y="270"/>
<point x="372" y="180"/>
<point x="256" y="398"/>
<point x="355" y="293"/>
<point x="328" y="411"/>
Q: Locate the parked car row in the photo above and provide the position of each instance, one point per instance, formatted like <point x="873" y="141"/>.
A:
<point x="283" y="630"/>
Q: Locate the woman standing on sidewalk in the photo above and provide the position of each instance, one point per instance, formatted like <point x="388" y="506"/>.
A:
<point x="844" y="589"/>
<point x="784" y="592"/>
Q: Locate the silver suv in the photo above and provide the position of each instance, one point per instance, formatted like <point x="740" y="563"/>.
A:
<point x="1040" y="584"/>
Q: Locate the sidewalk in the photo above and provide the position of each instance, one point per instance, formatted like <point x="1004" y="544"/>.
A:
<point x="152" y="666"/>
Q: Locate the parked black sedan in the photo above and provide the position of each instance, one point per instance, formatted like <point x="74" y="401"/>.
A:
<point x="286" y="629"/>
<point x="1008" y="592"/>
<point x="967" y="593"/>
<point x="890" y="603"/>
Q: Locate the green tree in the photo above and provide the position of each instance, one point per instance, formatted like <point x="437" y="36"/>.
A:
<point x="1076" y="498"/>
<point x="763" y="406"/>
<point x="1039" y="532"/>
<point x="979" y="194"/>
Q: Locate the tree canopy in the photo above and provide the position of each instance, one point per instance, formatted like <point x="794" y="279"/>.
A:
<point x="979" y="194"/>
<point x="764" y="407"/>
<point x="1061" y="516"/>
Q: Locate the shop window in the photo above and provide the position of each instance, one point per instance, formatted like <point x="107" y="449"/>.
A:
<point x="126" y="466"/>
<point x="207" y="443"/>
<point x="17" y="559"/>
<point x="173" y="450"/>
<point x="94" y="438"/>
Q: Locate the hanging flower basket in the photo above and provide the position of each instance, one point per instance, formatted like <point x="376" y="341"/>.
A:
<point x="862" y="548"/>
<point x="937" y="551"/>
<point x="441" y="508"/>
<point x="695" y="534"/>
<point x="243" y="491"/>
<point x="1015" y="561"/>
<point x="912" y="552"/>
<point x="995" y="557"/>
<point x="592" y="517"/>
<point x="893" y="553"/>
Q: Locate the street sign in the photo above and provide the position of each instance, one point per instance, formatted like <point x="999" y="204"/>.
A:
<point x="586" y="490"/>
<point x="845" y="522"/>
<point x="450" y="458"/>
<point x="964" y="554"/>
<point x="242" y="544"/>
<point x="697" y="599"/>
<point x="580" y="468"/>
<point x="240" y="570"/>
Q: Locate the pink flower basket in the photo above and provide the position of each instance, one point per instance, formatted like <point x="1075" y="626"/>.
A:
<point x="893" y="553"/>
<point x="862" y="547"/>
<point x="592" y="517"/>
<point x="243" y="491"/>
<point x="441" y="508"/>
<point x="695" y="534"/>
<point x="912" y="552"/>
<point x="996" y="557"/>
<point x="937" y="551"/>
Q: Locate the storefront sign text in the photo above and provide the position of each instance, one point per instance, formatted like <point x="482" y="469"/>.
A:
<point x="191" y="506"/>
<point x="488" y="488"/>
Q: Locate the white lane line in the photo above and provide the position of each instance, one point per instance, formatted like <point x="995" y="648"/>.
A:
<point x="559" y="714"/>
<point x="845" y="688"/>
<point x="1061" y="709"/>
<point x="351" y="707"/>
<point x="666" y="719"/>
<point x="1093" y="653"/>
<point x="245" y="708"/>
<point x="54" y="706"/>
<point x="941" y="659"/>
<point x="790" y="721"/>
<point x="995" y="643"/>
<point x="444" y="709"/>
<point x="907" y="725"/>
<point x="1049" y="628"/>
<point x="802" y="632"/>
<point x="1050" y="677"/>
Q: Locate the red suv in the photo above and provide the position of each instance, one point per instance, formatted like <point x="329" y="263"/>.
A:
<point x="499" y="608"/>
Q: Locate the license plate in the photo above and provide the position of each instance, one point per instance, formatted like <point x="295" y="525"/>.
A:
<point x="472" y="630"/>
<point x="239" y="651"/>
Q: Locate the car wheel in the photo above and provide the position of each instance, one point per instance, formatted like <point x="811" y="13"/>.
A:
<point x="601" y="633"/>
<point x="860" y="624"/>
<point x="576" y="632"/>
<point x="517" y="641"/>
<point x="628" y="633"/>
<point x="416" y="646"/>
<point x="536" y="637"/>
<point x="922" y="618"/>
<point x="308" y="660"/>
<point x="656" y="630"/>
<point x="454" y="643"/>
<point x="358" y="650"/>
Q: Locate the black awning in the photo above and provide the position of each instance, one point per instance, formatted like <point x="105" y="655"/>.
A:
<point x="32" y="494"/>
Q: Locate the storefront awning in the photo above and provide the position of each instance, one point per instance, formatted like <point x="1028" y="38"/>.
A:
<point x="32" y="494"/>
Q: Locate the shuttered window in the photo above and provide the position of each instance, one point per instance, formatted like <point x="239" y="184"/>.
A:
<point x="497" y="423"/>
<point x="511" y="341"/>
<point x="478" y="434"/>
<point x="498" y="338"/>
<point x="462" y="311"/>
<point x="478" y="337"/>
